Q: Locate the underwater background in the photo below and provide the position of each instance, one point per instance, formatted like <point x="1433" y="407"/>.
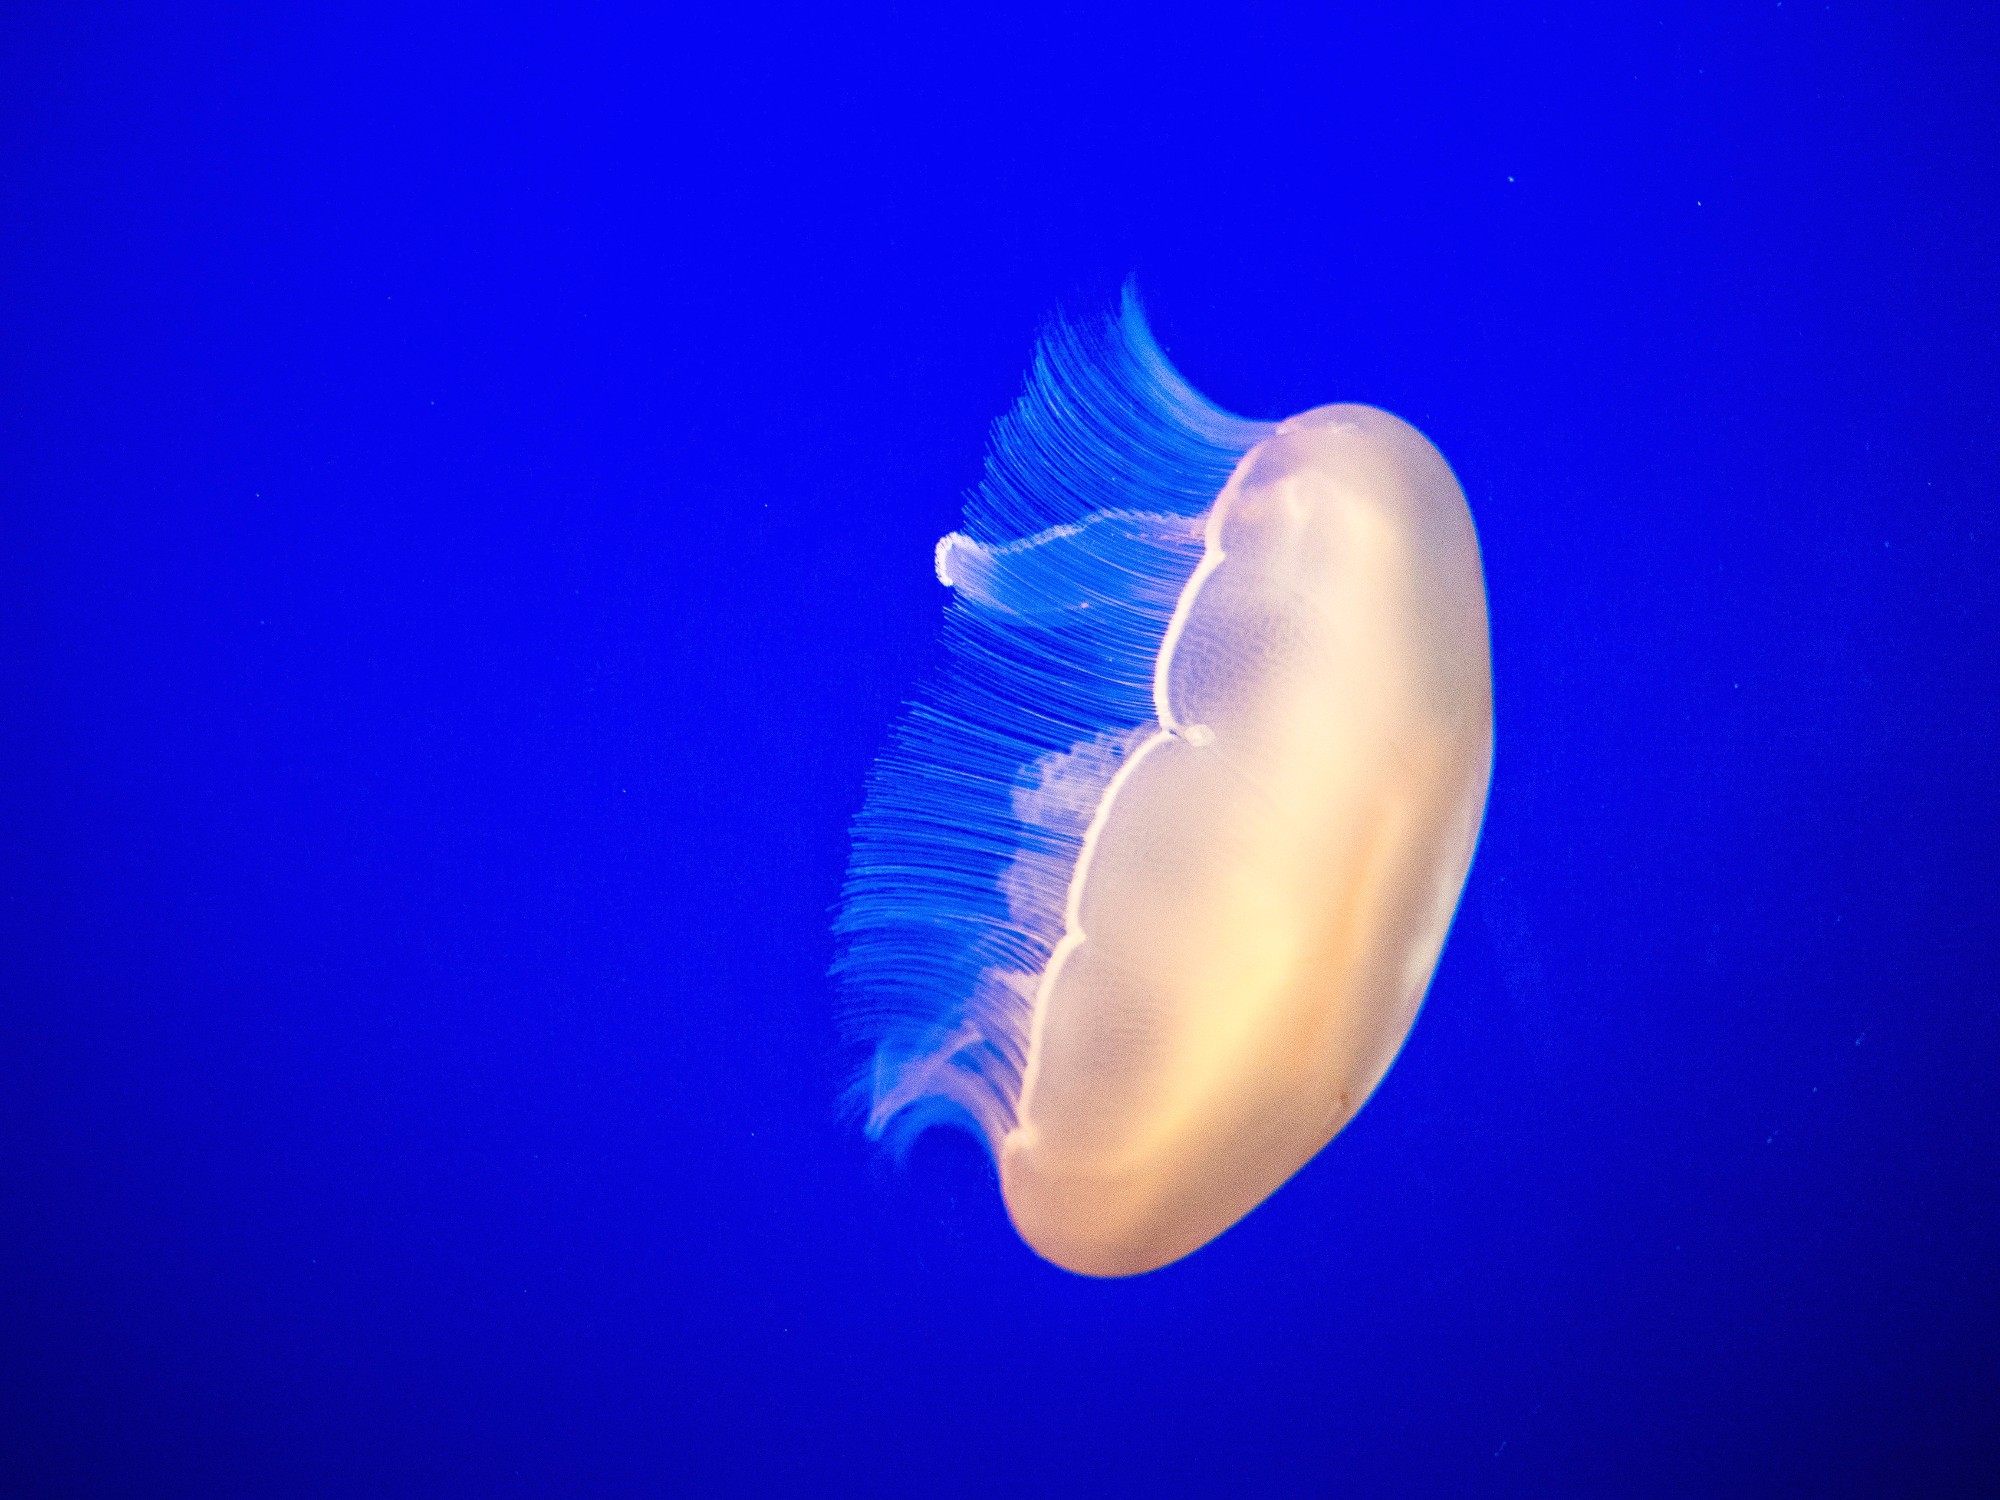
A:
<point x="470" y="479"/>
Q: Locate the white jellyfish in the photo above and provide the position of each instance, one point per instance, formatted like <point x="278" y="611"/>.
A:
<point x="1150" y="884"/>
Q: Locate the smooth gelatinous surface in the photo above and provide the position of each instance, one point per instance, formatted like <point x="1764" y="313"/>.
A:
<point x="1268" y="879"/>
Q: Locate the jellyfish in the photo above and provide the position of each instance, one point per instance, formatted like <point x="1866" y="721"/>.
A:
<point x="1149" y="885"/>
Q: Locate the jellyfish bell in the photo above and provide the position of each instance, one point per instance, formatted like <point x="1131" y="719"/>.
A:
<point x="1259" y="903"/>
<point x="1151" y="883"/>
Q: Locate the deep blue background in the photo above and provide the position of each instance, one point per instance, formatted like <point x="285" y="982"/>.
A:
<point x="469" y="484"/>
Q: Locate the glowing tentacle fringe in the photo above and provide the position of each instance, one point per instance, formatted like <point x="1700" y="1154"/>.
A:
<point x="1077" y="544"/>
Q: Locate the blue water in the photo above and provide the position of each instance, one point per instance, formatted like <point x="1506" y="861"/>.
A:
<point x="469" y="484"/>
